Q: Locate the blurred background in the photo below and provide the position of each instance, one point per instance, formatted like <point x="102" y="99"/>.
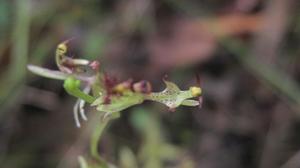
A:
<point x="246" y="52"/>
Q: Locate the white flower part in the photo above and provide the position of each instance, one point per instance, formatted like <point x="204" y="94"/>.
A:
<point x="75" y="112"/>
<point x="82" y="103"/>
<point x="79" y="108"/>
<point x="80" y="61"/>
<point x="47" y="72"/>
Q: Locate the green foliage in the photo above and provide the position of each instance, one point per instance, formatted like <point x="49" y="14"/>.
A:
<point x="127" y="158"/>
<point x="155" y="149"/>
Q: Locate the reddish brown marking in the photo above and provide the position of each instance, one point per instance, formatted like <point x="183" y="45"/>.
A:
<point x="95" y="65"/>
<point x="172" y="110"/>
<point x="198" y="80"/>
<point x="68" y="63"/>
<point x="200" y="100"/>
<point x="109" y="83"/>
<point x="142" y="87"/>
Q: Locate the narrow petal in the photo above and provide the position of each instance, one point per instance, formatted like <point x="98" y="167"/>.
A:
<point x="82" y="103"/>
<point x="76" y="116"/>
<point x="190" y="103"/>
<point x="47" y="72"/>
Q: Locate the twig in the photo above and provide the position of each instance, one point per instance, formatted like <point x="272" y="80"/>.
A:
<point x="268" y="74"/>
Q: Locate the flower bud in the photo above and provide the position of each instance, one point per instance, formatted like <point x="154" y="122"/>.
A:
<point x="142" y="87"/>
<point x="196" y="91"/>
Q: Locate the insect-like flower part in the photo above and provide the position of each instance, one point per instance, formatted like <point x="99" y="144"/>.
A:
<point x="173" y="97"/>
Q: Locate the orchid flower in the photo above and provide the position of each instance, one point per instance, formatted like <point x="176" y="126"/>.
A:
<point x="109" y="96"/>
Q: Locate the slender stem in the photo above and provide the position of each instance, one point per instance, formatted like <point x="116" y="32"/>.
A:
<point x="282" y="82"/>
<point x="20" y="39"/>
<point x="12" y="79"/>
<point x="82" y="162"/>
<point x="95" y="140"/>
<point x="80" y="94"/>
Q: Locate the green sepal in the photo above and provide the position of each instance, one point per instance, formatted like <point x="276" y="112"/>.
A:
<point x="72" y="86"/>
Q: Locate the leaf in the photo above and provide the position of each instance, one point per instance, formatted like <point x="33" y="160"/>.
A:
<point x="127" y="158"/>
<point x="82" y="162"/>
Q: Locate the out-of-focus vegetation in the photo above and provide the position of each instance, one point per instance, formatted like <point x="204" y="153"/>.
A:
<point x="246" y="52"/>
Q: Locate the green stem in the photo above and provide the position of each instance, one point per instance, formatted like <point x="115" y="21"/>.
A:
<point x="279" y="80"/>
<point x="82" y="162"/>
<point x="13" y="78"/>
<point x="95" y="139"/>
<point x="78" y="93"/>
